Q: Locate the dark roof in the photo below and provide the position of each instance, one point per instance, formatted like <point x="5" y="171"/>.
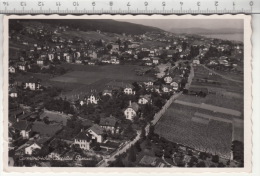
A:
<point x="97" y="129"/>
<point x="147" y="97"/>
<point x="108" y="121"/>
<point x="87" y="123"/>
<point x="134" y="106"/>
<point x="83" y="136"/>
<point x="22" y="125"/>
<point x="46" y="130"/>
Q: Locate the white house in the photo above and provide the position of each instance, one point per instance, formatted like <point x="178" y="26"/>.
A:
<point x="93" y="98"/>
<point x="166" y="88"/>
<point x="156" y="60"/>
<point x="144" y="99"/>
<point x="174" y="85"/>
<point x="167" y="79"/>
<point x="23" y="127"/>
<point x="83" y="140"/>
<point x="22" y="66"/>
<point x="96" y="133"/>
<point x="50" y="56"/>
<point x="128" y="89"/>
<point x="29" y="150"/>
<point x="131" y="111"/>
<point x="11" y="69"/>
<point x="196" y="61"/>
<point x="40" y="61"/>
<point x="32" y="84"/>
<point x="13" y="93"/>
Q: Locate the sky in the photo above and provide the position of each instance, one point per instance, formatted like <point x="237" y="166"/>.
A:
<point x="190" y="23"/>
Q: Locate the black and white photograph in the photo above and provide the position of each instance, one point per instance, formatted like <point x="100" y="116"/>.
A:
<point x="161" y="92"/>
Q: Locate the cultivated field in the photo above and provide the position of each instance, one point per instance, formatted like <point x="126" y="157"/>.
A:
<point x="178" y="125"/>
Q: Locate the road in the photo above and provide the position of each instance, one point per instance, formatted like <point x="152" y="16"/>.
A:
<point x="104" y="163"/>
<point x="223" y="76"/>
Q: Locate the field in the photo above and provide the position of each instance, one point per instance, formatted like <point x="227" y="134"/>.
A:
<point x="86" y="78"/>
<point x="177" y="125"/>
<point x="216" y="81"/>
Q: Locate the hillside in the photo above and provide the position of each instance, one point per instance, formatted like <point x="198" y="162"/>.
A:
<point x="205" y="31"/>
<point x="104" y="25"/>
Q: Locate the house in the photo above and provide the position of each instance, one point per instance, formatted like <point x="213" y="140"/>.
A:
<point x="115" y="47"/>
<point x="40" y="61"/>
<point x="92" y="98"/>
<point x="131" y="111"/>
<point x="78" y="61"/>
<point x="91" y="63"/>
<point x="13" y="93"/>
<point x="156" y="60"/>
<point x="166" y="88"/>
<point x="108" y="92"/>
<point x="51" y="56"/>
<point x="128" y="89"/>
<point x="149" y="63"/>
<point x="109" y="124"/>
<point x="32" y="147"/>
<point x="144" y="99"/>
<point x="21" y="66"/>
<point x="167" y="79"/>
<point x="83" y="139"/>
<point x="68" y="58"/>
<point x="11" y="69"/>
<point x="148" y="83"/>
<point x="32" y="84"/>
<point x="114" y="60"/>
<point x="23" y="127"/>
<point x="96" y="133"/>
<point x="196" y="61"/>
<point x="175" y="82"/>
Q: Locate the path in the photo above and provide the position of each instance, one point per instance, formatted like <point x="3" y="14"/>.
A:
<point x="104" y="163"/>
<point x="222" y="76"/>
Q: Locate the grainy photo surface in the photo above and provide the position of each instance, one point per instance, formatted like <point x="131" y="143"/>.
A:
<point x="126" y="92"/>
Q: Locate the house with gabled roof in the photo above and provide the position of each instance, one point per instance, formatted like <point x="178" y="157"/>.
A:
<point x="144" y="99"/>
<point x="23" y="127"/>
<point x="131" y="111"/>
<point x="11" y="69"/>
<point x="96" y="133"/>
<point x="109" y="124"/>
<point x="167" y="79"/>
<point x="32" y="84"/>
<point x="128" y="89"/>
<point x="83" y="139"/>
<point x="166" y="88"/>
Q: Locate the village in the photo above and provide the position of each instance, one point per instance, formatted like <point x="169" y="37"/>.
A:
<point x="94" y="101"/>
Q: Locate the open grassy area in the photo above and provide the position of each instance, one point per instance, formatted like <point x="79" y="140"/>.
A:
<point x="85" y="74"/>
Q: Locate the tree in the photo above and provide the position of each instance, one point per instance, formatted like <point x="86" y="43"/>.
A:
<point x="138" y="146"/>
<point x="132" y="155"/>
<point x="46" y="120"/>
<point x="201" y="164"/>
<point x="215" y="158"/>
